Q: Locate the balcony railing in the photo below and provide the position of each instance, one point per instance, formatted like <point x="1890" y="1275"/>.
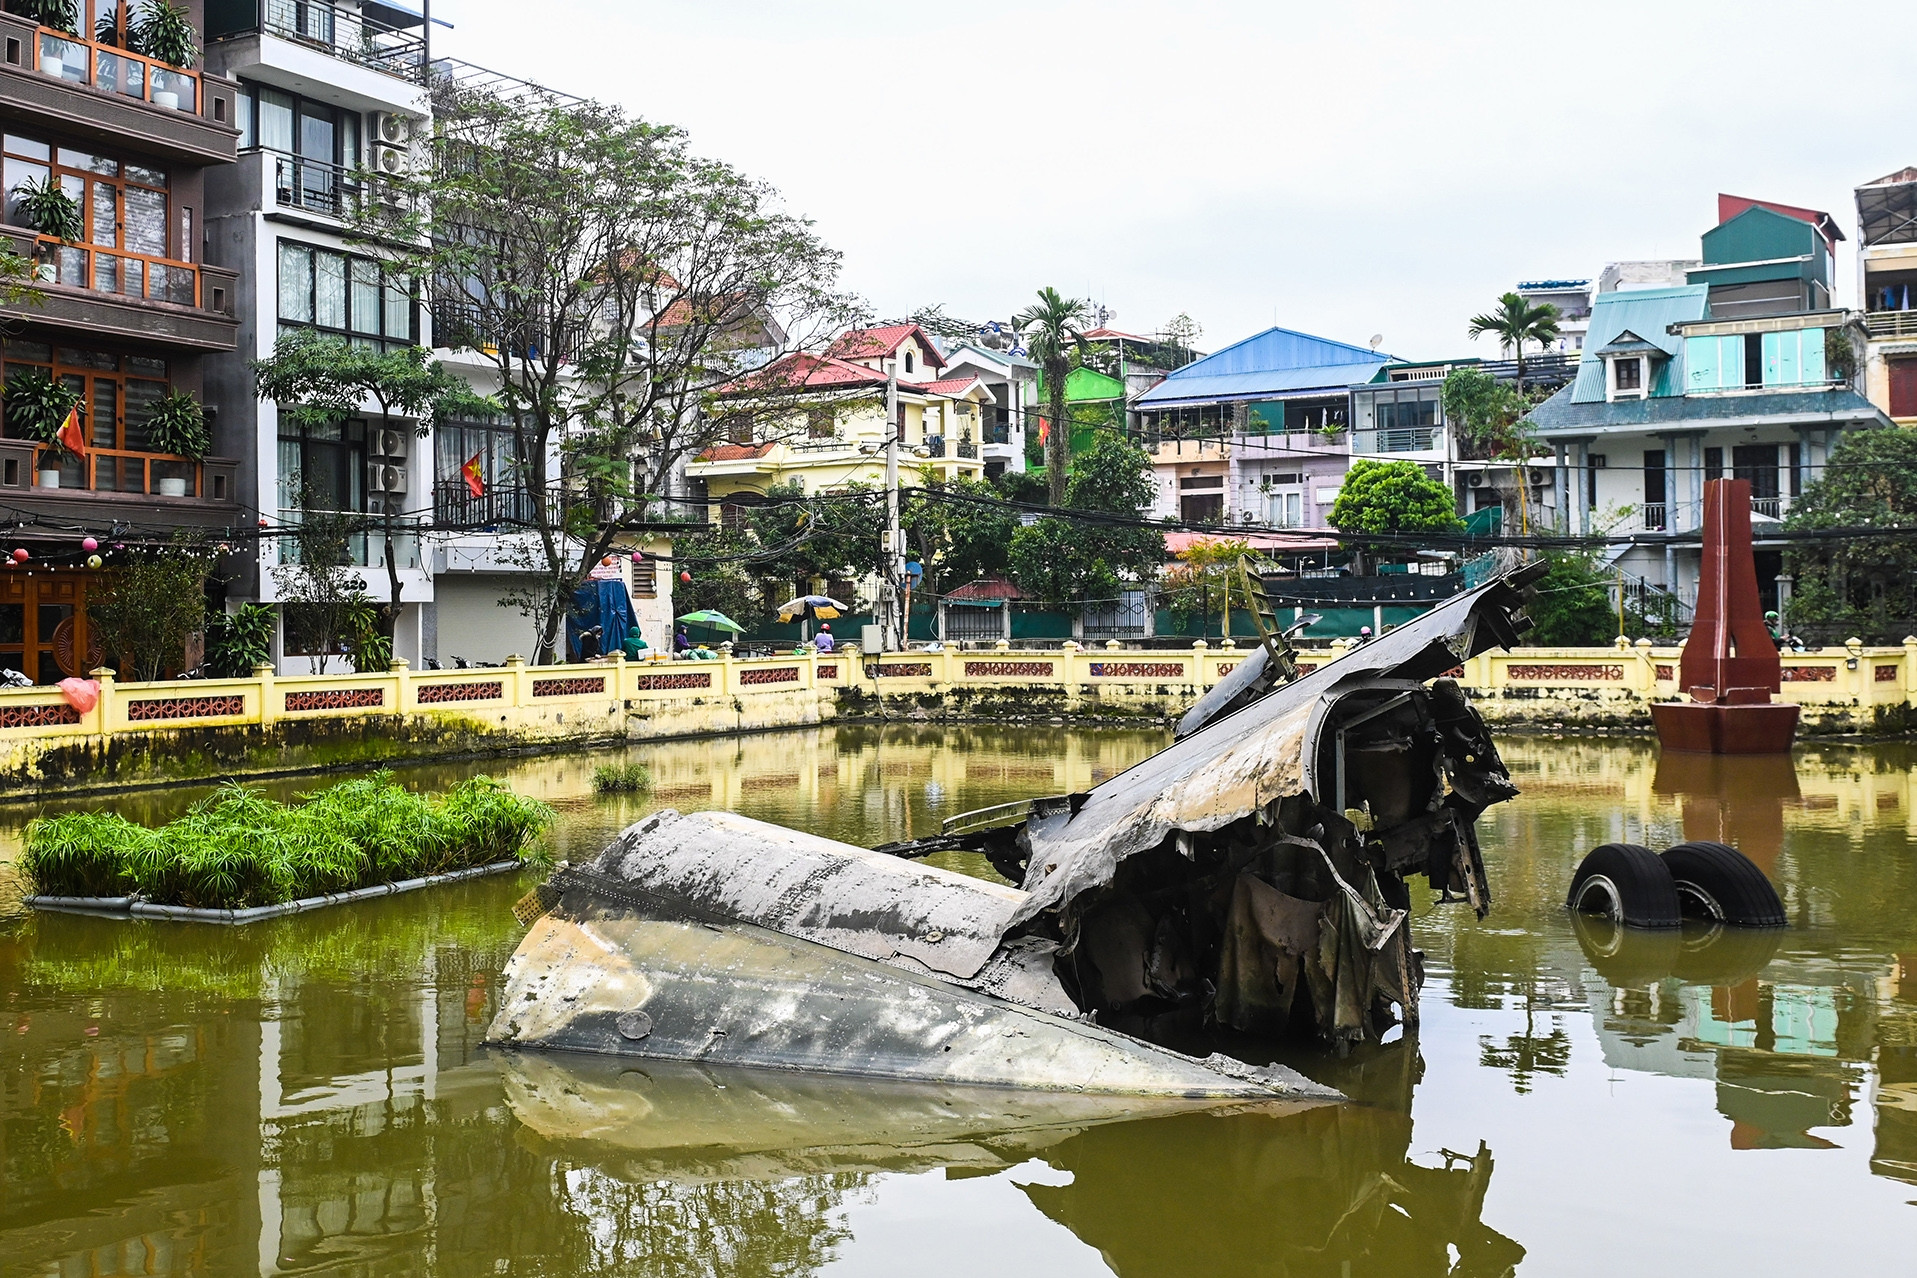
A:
<point x="1891" y="323"/>
<point x="1656" y="516"/>
<point x="457" y="322"/>
<point x="1771" y="507"/>
<point x="454" y="506"/>
<point x="111" y="70"/>
<point x="968" y="450"/>
<point x="107" y="270"/>
<point x="114" y="470"/>
<point x="343" y="33"/>
<point x="319" y="186"/>
<point x="1398" y="439"/>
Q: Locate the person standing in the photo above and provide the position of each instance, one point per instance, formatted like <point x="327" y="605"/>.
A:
<point x="825" y="642"/>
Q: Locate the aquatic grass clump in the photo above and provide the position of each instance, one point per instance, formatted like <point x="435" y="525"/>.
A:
<point x="237" y="848"/>
<point x="628" y="778"/>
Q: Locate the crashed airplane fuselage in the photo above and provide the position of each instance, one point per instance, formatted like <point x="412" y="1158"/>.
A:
<point x="1245" y="885"/>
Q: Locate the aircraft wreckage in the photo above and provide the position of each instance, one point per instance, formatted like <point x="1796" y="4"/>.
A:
<point x="1243" y="886"/>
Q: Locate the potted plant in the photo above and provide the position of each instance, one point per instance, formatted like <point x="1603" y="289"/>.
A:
<point x="177" y="424"/>
<point x="164" y="33"/>
<point x="47" y="208"/>
<point x="61" y="15"/>
<point x="36" y="408"/>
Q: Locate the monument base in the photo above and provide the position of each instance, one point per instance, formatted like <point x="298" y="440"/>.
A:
<point x="1706" y="728"/>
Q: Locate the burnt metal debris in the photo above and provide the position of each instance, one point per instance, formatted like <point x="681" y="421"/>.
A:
<point x="1243" y="886"/>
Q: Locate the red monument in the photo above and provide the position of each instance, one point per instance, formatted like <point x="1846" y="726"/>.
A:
<point x="1730" y="667"/>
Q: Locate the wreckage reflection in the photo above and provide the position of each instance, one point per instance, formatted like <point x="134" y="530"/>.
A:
<point x="1157" y="1186"/>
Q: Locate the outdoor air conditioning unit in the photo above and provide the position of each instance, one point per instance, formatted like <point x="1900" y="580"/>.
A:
<point x="388" y="443"/>
<point x="1475" y="478"/>
<point x="384" y="478"/>
<point x="1540" y="478"/>
<point x="392" y="143"/>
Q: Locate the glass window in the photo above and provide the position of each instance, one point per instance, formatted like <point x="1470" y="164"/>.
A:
<point x="1630" y="374"/>
<point x="249" y="131"/>
<point x="276" y="120"/>
<point x="296" y="283"/>
<point x="399" y="309"/>
<point x="329" y="289"/>
<point x="121" y="206"/>
<point x="366" y="296"/>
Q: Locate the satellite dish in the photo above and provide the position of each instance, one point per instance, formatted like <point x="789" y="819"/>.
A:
<point x="1377" y="340"/>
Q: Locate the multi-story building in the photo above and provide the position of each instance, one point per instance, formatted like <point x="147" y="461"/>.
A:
<point x="839" y="439"/>
<point x="131" y="309"/>
<point x="330" y="97"/>
<point x="1255" y="433"/>
<point x="1887" y="289"/>
<point x="1009" y="379"/>
<point x="1729" y="375"/>
<point x="1573" y="300"/>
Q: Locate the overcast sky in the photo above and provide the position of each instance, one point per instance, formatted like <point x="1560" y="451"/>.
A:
<point x="1346" y="169"/>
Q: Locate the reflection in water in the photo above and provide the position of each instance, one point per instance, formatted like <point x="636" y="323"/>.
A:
<point x="309" y="1095"/>
<point x="1732" y="798"/>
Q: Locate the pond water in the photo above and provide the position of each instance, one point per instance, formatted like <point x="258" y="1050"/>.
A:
<point x="309" y="1095"/>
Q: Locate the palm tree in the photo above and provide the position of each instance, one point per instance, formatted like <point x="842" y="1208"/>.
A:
<point x="1516" y="322"/>
<point x="1052" y="336"/>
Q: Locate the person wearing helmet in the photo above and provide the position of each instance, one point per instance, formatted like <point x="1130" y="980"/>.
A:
<point x="1364" y="634"/>
<point x="1774" y="624"/>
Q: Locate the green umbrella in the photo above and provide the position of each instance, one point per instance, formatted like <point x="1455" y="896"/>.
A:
<point x="712" y="617"/>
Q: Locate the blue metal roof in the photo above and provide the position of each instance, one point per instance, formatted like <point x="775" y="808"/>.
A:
<point x="1647" y="313"/>
<point x="1272" y="363"/>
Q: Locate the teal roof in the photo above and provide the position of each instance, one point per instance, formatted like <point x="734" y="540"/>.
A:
<point x="1822" y="406"/>
<point x="1646" y="313"/>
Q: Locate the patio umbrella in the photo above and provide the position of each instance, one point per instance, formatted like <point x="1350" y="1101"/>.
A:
<point x="824" y="607"/>
<point x="713" y="618"/>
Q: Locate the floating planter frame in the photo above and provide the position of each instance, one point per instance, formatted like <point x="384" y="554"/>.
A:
<point x="133" y="907"/>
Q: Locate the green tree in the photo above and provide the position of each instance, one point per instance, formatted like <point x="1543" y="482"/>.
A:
<point x="1393" y="497"/>
<point x="1201" y="582"/>
<point x="318" y="380"/>
<point x="1515" y="322"/>
<point x="961" y="531"/>
<point x="1574" y="606"/>
<point x="153" y="600"/>
<point x="1862" y="581"/>
<point x="620" y="288"/>
<point x="1051" y="328"/>
<point x="1079" y="556"/>
<point x="1491" y="420"/>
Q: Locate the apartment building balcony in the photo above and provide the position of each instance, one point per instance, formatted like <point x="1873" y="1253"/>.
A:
<point x="1393" y="440"/>
<point x="323" y="193"/>
<point x="1891" y="323"/>
<point x="379" y="37"/>
<point x="110" y="484"/>
<point x="104" y="94"/>
<point x="365" y="537"/>
<point x="455" y="507"/>
<point x="112" y="293"/>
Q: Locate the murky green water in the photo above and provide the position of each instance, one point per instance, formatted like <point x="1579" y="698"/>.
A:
<point x="309" y="1096"/>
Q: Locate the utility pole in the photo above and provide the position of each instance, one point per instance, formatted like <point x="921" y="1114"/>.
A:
<point x="894" y="626"/>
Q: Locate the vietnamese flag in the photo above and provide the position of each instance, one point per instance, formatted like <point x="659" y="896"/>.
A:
<point x="72" y="437"/>
<point x="474" y="477"/>
<point x="1044" y="432"/>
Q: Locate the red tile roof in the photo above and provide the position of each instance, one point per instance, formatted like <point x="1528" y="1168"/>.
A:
<point x="877" y="343"/>
<point x="946" y="386"/>
<point x="801" y="370"/>
<point x="987" y="588"/>
<point x="1112" y="334"/>
<point x="735" y="452"/>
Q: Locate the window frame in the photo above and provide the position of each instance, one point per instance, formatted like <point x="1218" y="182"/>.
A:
<point x="377" y="337"/>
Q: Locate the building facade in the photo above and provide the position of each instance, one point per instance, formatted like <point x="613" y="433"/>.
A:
<point x="134" y="300"/>
<point x="1728" y="376"/>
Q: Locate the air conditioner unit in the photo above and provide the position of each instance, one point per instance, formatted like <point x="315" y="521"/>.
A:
<point x="1475" y="478"/>
<point x="389" y="443"/>
<point x="392" y="129"/>
<point x="1540" y="478"/>
<point x="391" y="161"/>
<point x="384" y="478"/>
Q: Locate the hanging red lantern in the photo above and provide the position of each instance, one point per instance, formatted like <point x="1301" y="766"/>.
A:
<point x="684" y="576"/>
<point x="20" y="556"/>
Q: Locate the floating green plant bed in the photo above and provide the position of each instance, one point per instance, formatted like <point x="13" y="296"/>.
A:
<point x="614" y="778"/>
<point x="239" y="850"/>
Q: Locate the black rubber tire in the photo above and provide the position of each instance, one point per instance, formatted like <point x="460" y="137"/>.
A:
<point x="1628" y="882"/>
<point x="1720" y="883"/>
